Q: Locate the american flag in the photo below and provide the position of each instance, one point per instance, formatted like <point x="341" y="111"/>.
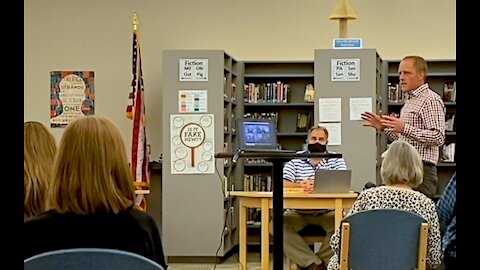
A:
<point x="136" y="112"/>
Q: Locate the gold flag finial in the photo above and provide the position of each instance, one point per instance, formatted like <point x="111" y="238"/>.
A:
<point x="135" y="21"/>
<point x="343" y="12"/>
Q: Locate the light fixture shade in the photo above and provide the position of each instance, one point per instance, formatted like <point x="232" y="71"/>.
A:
<point x="343" y="10"/>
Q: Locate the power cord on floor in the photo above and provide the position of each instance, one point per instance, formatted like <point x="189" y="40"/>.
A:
<point x="238" y="260"/>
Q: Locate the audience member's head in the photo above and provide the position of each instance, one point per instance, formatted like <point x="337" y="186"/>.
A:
<point x="39" y="150"/>
<point x="91" y="172"/>
<point x="317" y="139"/>
<point x="402" y="164"/>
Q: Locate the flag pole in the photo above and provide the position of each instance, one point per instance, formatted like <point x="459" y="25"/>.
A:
<point x="131" y="96"/>
<point x="136" y="111"/>
<point x="135" y="21"/>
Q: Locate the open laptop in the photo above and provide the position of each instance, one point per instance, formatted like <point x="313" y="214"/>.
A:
<point x="258" y="135"/>
<point x="332" y="181"/>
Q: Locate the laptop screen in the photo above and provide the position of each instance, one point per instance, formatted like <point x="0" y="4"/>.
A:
<point x="257" y="134"/>
<point x="332" y="181"/>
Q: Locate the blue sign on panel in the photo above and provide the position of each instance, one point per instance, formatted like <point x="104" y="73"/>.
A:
<point x="347" y="43"/>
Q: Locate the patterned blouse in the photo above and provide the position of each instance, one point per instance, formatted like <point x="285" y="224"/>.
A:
<point x="390" y="198"/>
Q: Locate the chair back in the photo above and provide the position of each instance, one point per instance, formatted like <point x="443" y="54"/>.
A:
<point x="90" y="258"/>
<point x="384" y="239"/>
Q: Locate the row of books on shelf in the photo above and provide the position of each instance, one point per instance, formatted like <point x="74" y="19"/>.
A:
<point x="448" y="153"/>
<point x="395" y="94"/>
<point x="225" y="89"/>
<point x="275" y="92"/>
<point x="263" y="115"/>
<point x="256" y="161"/>
<point x="254" y="216"/>
<point x="450" y="91"/>
<point x="450" y="122"/>
<point x="226" y="119"/>
<point x="257" y="182"/>
<point x="229" y="219"/>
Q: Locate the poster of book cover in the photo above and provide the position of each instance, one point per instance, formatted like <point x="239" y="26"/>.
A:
<point x="72" y="95"/>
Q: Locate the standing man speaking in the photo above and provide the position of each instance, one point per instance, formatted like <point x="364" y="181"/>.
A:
<point x="421" y="122"/>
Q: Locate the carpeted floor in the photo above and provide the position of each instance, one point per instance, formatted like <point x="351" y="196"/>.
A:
<point x="251" y="266"/>
<point x="230" y="263"/>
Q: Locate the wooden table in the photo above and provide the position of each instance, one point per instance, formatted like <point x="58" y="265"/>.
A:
<point x="264" y="201"/>
<point x="277" y="158"/>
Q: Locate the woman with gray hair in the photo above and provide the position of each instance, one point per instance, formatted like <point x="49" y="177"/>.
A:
<point x="401" y="172"/>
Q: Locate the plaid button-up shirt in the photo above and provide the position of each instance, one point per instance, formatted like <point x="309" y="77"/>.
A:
<point x="424" y="116"/>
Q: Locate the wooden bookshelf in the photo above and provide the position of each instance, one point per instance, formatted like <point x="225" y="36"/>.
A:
<point x="296" y="75"/>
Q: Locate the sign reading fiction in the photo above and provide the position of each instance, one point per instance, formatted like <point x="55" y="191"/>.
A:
<point x="345" y="70"/>
<point x="193" y="70"/>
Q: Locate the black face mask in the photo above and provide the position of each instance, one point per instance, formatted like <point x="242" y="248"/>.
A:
<point x="317" y="148"/>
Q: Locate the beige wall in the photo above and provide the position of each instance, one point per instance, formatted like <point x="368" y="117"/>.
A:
<point x="97" y="35"/>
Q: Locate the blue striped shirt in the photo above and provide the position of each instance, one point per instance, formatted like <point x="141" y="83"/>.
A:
<point x="300" y="168"/>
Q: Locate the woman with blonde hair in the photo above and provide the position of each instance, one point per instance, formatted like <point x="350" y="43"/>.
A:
<point x="91" y="197"/>
<point x="39" y="148"/>
<point x="401" y="172"/>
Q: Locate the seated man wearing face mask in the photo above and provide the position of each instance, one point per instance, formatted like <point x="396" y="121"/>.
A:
<point x="300" y="172"/>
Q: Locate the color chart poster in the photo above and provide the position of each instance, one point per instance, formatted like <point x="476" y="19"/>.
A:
<point x="192" y="101"/>
<point x="72" y="95"/>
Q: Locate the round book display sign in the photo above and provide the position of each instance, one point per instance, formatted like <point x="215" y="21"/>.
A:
<point x="192" y="135"/>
